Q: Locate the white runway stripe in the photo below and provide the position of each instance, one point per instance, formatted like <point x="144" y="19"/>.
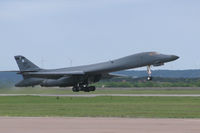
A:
<point x="97" y="95"/>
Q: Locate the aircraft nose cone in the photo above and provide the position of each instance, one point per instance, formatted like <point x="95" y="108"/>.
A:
<point x="174" y="57"/>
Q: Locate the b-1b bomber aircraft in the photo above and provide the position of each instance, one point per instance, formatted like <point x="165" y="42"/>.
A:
<point x="80" y="77"/>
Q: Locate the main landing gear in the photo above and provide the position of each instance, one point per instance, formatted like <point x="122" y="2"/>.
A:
<point x="83" y="88"/>
<point x="149" y="78"/>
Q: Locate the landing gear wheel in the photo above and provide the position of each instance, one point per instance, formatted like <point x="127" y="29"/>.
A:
<point x="75" y="89"/>
<point x="92" y="88"/>
<point x="86" y="89"/>
<point x="149" y="78"/>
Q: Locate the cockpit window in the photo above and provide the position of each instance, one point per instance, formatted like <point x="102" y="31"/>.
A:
<point x="154" y="53"/>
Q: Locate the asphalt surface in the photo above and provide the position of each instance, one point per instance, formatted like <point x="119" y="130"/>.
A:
<point x="97" y="125"/>
<point x="97" y="95"/>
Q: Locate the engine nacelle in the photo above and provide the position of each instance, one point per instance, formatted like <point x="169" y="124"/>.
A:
<point x="62" y="82"/>
<point x="49" y="83"/>
<point x="29" y="82"/>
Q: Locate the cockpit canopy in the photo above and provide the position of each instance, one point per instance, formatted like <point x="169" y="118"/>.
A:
<point x="154" y="53"/>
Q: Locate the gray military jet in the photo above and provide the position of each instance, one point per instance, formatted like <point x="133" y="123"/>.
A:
<point x="81" y="76"/>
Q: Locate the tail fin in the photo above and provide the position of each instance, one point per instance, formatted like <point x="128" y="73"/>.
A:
<point x="25" y="65"/>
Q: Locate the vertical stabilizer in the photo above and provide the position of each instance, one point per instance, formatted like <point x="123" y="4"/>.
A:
<point x="25" y="65"/>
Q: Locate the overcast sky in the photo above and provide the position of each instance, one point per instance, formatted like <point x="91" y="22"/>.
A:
<point x="54" y="33"/>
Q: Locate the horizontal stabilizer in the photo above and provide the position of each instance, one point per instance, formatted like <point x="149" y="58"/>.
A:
<point x="58" y="73"/>
<point x="29" y="82"/>
<point x="15" y="71"/>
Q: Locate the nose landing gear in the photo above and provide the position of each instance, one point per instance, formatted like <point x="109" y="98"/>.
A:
<point x="149" y="78"/>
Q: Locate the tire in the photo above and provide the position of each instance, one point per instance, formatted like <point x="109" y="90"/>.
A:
<point x="75" y="89"/>
<point x="86" y="89"/>
<point x="92" y="88"/>
<point x="149" y="78"/>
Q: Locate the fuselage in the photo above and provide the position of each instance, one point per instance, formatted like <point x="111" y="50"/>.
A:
<point x="128" y="62"/>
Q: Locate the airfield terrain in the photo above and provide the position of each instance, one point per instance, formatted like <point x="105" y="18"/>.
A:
<point x="108" y="110"/>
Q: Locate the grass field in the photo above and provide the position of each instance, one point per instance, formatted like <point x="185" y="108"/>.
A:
<point x="39" y="90"/>
<point x="148" y="107"/>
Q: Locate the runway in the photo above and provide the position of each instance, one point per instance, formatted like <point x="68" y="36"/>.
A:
<point x="97" y="95"/>
<point x="97" y="125"/>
